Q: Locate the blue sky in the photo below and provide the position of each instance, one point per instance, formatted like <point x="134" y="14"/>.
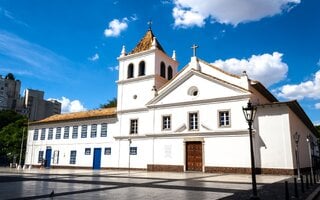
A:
<point x="69" y="49"/>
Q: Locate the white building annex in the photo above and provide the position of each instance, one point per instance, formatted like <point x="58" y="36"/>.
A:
<point x="165" y="120"/>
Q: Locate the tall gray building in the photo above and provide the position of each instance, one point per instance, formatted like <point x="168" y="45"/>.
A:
<point x="9" y="92"/>
<point x="37" y="107"/>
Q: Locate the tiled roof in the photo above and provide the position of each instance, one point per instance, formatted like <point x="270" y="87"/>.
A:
<point x="106" y="112"/>
<point x="146" y="43"/>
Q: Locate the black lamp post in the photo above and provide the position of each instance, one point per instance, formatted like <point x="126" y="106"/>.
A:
<point x="296" y="139"/>
<point x="249" y="113"/>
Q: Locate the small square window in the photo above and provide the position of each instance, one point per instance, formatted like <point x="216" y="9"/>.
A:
<point x="87" y="151"/>
<point x="107" y="151"/>
<point x="133" y="151"/>
<point x="224" y="118"/>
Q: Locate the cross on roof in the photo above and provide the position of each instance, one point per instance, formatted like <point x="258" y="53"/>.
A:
<point x="149" y="24"/>
<point x="194" y="47"/>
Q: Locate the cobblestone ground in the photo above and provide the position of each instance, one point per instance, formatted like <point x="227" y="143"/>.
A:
<point x="138" y="185"/>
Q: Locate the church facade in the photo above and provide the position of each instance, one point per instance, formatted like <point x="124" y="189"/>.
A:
<point x="170" y="120"/>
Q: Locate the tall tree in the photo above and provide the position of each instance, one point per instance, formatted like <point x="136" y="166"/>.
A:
<point x="10" y="76"/>
<point x="12" y="131"/>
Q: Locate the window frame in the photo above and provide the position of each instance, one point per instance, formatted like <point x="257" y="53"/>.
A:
<point x="104" y="133"/>
<point x="166" y="126"/>
<point x="40" y="156"/>
<point x="58" y="133"/>
<point x="43" y="134"/>
<point x="142" y="68"/>
<point x="107" y="151"/>
<point x="133" y="151"/>
<point x="130" y="72"/>
<point x="84" y="134"/>
<point x="75" y="133"/>
<point x="93" y="132"/>
<point x="191" y="125"/>
<point x="134" y="127"/>
<point x="35" y="134"/>
<point x="73" y="157"/>
<point x="50" y="134"/>
<point x="87" y="151"/>
<point x="224" y="125"/>
<point x="163" y="69"/>
<point x="169" y="72"/>
<point x="66" y="132"/>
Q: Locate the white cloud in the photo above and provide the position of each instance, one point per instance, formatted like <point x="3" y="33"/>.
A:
<point x="266" y="68"/>
<point x="68" y="106"/>
<point x="186" y="18"/>
<point x="116" y="27"/>
<point x="188" y="13"/>
<point x="115" y="68"/>
<point x="317" y="106"/>
<point x="308" y="89"/>
<point x="94" y="57"/>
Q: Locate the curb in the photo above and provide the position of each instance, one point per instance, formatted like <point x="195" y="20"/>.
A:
<point x="314" y="194"/>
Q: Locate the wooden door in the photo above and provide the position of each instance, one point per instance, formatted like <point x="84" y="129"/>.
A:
<point x="194" y="156"/>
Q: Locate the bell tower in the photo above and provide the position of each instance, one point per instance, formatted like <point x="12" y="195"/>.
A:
<point x="142" y="72"/>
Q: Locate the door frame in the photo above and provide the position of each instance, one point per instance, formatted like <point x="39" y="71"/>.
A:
<point x="96" y="163"/>
<point x="48" y="157"/>
<point x="190" y="140"/>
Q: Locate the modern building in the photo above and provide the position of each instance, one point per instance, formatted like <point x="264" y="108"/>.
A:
<point x="37" y="107"/>
<point x="9" y="92"/>
<point x="165" y="120"/>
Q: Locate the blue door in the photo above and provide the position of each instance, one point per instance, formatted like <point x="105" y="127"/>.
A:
<point x="97" y="158"/>
<point x="48" y="158"/>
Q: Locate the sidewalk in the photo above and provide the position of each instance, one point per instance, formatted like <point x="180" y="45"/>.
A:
<point x="134" y="185"/>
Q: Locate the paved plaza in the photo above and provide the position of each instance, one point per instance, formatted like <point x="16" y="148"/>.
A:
<point x="134" y="185"/>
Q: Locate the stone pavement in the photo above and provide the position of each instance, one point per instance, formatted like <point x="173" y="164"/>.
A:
<point x="137" y="185"/>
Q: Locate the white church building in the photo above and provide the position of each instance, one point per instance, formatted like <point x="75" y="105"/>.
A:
<point x="170" y="120"/>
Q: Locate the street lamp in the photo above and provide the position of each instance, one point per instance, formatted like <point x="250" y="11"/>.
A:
<point x="130" y="141"/>
<point x="309" y="140"/>
<point x="249" y="113"/>
<point x="296" y="137"/>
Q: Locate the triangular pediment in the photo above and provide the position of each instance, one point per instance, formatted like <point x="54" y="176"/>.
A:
<point x="195" y="86"/>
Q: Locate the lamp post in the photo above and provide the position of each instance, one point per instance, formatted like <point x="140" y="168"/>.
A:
<point x="296" y="139"/>
<point x="21" y="147"/>
<point x="130" y="141"/>
<point x="249" y="113"/>
<point x="309" y="140"/>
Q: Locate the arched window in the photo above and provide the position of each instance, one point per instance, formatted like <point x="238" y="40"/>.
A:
<point x="142" y="67"/>
<point x="169" y="72"/>
<point x="163" y="70"/>
<point x="130" y="70"/>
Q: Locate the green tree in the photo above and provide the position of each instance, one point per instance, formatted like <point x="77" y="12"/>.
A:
<point x="318" y="128"/>
<point x="10" y="76"/>
<point x="111" y="103"/>
<point x="13" y="126"/>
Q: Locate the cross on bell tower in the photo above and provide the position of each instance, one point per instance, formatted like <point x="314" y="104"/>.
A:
<point x="149" y="24"/>
<point x="194" y="48"/>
